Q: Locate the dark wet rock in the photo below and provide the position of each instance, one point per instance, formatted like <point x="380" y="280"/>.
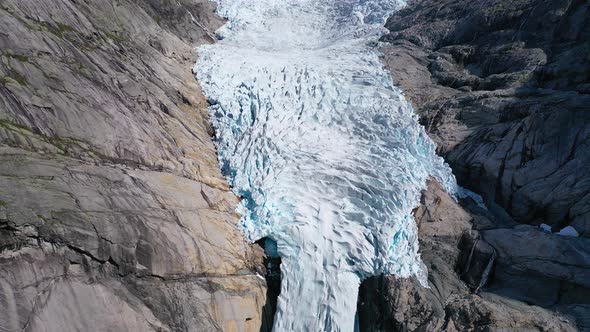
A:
<point x="113" y="213"/>
<point x="272" y="273"/>
<point x="476" y="260"/>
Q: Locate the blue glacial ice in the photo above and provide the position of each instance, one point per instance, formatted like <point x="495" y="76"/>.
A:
<point x="327" y="154"/>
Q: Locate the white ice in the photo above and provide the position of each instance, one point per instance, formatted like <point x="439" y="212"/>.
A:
<point x="568" y="231"/>
<point x="546" y="228"/>
<point x="327" y="154"/>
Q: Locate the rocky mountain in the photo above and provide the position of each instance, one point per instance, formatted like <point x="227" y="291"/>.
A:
<point x="502" y="88"/>
<point x="113" y="213"/>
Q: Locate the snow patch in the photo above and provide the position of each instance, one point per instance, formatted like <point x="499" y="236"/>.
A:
<point x="568" y="231"/>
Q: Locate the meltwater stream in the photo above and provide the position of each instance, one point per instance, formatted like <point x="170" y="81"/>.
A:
<point x="327" y="154"/>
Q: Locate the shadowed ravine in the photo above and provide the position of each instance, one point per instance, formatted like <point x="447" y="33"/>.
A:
<point x="327" y="154"/>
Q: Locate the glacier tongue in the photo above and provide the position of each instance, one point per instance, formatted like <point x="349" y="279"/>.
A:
<point x="327" y="154"/>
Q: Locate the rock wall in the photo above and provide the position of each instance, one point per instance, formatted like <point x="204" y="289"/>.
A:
<point x="502" y="88"/>
<point x="389" y="304"/>
<point x="113" y="213"/>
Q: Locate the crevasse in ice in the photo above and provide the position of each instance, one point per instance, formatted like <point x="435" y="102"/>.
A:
<point x="327" y="154"/>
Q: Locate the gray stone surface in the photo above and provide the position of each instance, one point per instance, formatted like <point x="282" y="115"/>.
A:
<point x="388" y="303"/>
<point x="502" y="88"/>
<point x="113" y="213"/>
<point x="544" y="269"/>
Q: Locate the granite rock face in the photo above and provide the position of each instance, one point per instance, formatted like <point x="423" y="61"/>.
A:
<point x="502" y="88"/>
<point x="113" y="213"/>
<point x="388" y="303"/>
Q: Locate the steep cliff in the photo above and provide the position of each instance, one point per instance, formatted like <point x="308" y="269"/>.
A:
<point x="456" y="257"/>
<point x="113" y="211"/>
<point x="502" y="88"/>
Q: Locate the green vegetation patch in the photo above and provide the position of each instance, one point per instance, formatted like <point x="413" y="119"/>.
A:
<point x="14" y="76"/>
<point x="11" y="125"/>
<point x="504" y="6"/>
<point x="8" y="8"/>
<point x="63" y="143"/>
<point x="60" y="29"/>
<point x="74" y="64"/>
<point x="19" y="57"/>
<point x="63" y="28"/>
<point x="66" y="146"/>
<point x="496" y="9"/>
<point x="20" y="79"/>
<point x="115" y="37"/>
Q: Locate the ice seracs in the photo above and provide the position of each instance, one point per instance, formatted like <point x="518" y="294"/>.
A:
<point x="327" y="154"/>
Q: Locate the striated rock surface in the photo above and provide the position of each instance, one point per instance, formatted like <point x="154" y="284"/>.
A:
<point x="113" y="213"/>
<point x="502" y="87"/>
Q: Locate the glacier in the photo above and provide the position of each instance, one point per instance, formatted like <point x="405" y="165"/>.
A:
<point x="325" y="152"/>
